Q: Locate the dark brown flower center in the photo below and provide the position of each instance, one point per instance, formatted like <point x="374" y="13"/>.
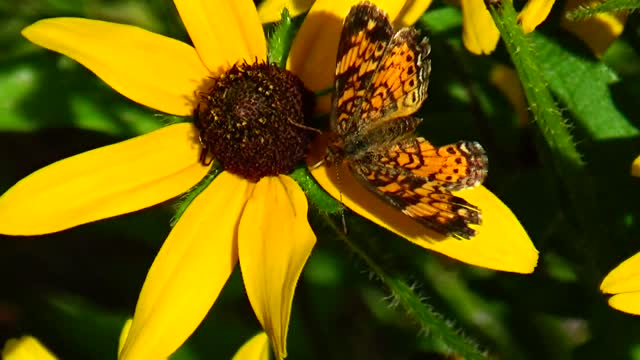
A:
<point x="252" y="120"/>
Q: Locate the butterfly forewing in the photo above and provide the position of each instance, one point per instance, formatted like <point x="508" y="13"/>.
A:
<point x="365" y="35"/>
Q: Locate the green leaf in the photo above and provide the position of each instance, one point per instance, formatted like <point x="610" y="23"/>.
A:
<point x="77" y="99"/>
<point x="581" y="83"/>
<point x="88" y="331"/>
<point x="442" y="20"/>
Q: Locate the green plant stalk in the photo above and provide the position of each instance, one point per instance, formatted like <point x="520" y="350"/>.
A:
<point x="412" y="303"/>
<point x="564" y="156"/>
<point x="586" y="11"/>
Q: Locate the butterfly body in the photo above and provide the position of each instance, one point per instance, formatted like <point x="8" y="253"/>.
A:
<point x="381" y="80"/>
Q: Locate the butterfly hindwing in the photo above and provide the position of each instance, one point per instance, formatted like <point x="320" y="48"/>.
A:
<point x="417" y="178"/>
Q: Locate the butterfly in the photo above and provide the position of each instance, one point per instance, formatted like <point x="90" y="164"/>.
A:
<point x="381" y="79"/>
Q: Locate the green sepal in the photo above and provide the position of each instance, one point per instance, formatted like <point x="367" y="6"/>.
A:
<point x="281" y="38"/>
<point x="190" y="195"/>
<point x="316" y="195"/>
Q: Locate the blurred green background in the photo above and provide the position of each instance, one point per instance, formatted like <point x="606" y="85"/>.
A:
<point x="74" y="289"/>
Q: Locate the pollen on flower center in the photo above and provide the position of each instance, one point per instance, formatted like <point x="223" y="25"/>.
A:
<point x="252" y="120"/>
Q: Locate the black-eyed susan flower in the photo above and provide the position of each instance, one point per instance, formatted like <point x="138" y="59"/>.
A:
<point x="251" y="214"/>
<point x="623" y="282"/>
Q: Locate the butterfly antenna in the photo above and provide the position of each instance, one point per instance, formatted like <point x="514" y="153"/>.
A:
<point x="317" y="165"/>
<point x="309" y="128"/>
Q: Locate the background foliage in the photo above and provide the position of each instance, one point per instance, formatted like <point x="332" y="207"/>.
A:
<point x="73" y="290"/>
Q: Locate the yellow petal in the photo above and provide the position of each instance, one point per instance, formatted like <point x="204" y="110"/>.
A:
<point x="26" y="348"/>
<point x="270" y="10"/>
<point x="124" y="334"/>
<point x="598" y="31"/>
<point x="501" y="242"/>
<point x="479" y="33"/>
<point x="313" y="52"/>
<point x="635" y="167"/>
<point x="507" y="81"/>
<point x="189" y="271"/>
<point x="624" y="278"/>
<point x="411" y="12"/>
<point x="148" y="68"/>
<point x="223" y="31"/>
<point x="257" y="348"/>
<point x="274" y="242"/>
<point x="105" y="182"/>
<point x="629" y="302"/>
<point x="534" y="13"/>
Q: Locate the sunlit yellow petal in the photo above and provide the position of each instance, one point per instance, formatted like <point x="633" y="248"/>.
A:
<point x="270" y="10"/>
<point x="274" y="242"/>
<point x="257" y="348"/>
<point x="124" y="334"/>
<point x="624" y="278"/>
<point x="534" y="13"/>
<point x="629" y="302"/>
<point x="598" y="31"/>
<point x="501" y="242"/>
<point x="635" y="167"/>
<point x="223" y="31"/>
<point x="479" y="33"/>
<point x="148" y="68"/>
<point x="313" y="52"/>
<point x="411" y="12"/>
<point x="507" y="81"/>
<point x="26" y="348"/>
<point x="105" y="182"/>
<point x="189" y="272"/>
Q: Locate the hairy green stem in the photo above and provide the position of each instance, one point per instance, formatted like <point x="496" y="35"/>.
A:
<point x="412" y="303"/>
<point x="561" y="152"/>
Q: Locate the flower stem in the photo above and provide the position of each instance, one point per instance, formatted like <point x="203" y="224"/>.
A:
<point x="611" y="6"/>
<point x="412" y="303"/>
<point x="559" y="148"/>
